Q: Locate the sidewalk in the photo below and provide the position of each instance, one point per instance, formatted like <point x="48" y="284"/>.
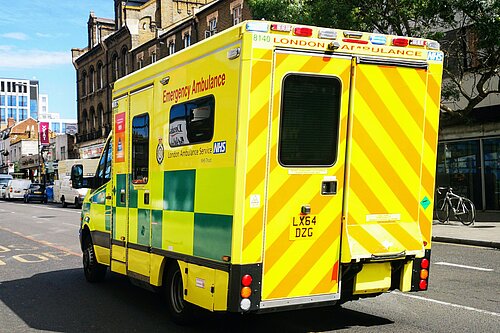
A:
<point x="485" y="234"/>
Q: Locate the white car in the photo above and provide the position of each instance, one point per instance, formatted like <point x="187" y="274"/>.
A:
<point x="16" y="188"/>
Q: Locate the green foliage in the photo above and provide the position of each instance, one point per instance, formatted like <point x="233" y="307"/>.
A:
<point x="469" y="31"/>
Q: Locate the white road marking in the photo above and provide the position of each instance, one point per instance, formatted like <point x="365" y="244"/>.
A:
<point x="496" y="314"/>
<point x="463" y="266"/>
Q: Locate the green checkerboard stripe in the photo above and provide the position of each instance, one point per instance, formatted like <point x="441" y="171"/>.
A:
<point x="178" y="190"/>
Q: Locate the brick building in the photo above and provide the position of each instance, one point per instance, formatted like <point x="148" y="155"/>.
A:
<point x="141" y="33"/>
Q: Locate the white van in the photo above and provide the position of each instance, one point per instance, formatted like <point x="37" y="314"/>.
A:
<point x="4" y="181"/>
<point x="16" y="188"/>
<point x="66" y="194"/>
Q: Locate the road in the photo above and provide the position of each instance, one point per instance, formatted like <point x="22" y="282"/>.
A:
<point x="42" y="288"/>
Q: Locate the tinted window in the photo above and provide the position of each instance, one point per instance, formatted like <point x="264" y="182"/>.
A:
<point x="309" y="120"/>
<point x="192" y="122"/>
<point x="140" y="149"/>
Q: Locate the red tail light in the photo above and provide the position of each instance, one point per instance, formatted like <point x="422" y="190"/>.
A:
<point x="424" y="263"/>
<point x="423" y="285"/>
<point x="246" y="280"/>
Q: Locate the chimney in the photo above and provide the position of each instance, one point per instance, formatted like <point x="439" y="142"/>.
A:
<point x="10" y="122"/>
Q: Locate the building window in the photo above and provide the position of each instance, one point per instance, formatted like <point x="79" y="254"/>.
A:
<point x="2" y="100"/>
<point x="192" y="122"/>
<point x="56" y="127"/>
<point x="171" y="48"/>
<point x="140" y="149"/>
<point x="2" y="116"/>
<point x="309" y="127"/>
<point x="212" y="27"/>
<point x="23" y="100"/>
<point x="186" y="40"/>
<point x="91" y="80"/>
<point x="63" y="153"/>
<point x="12" y="113"/>
<point x="114" y="64"/>
<point x="124" y="61"/>
<point x="84" y="83"/>
<point x="11" y="100"/>
<point x="23" y="114"/>
<point x="140" y="60"/>
<point x="99" y="76"/>
<point x="236" y="13"/>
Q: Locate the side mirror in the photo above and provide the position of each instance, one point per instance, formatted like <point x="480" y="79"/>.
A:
<point x="77" y="176"/>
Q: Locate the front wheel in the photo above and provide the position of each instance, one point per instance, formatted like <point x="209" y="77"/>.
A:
<point x="467" y="214"/>
<point x="63" y="202"/>
<point x="94" y="271"/>
<point x="442" y="211"/>
<point x="180" y="311"/>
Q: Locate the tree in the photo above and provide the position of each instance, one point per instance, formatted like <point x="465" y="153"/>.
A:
<point x="469" y="31"/>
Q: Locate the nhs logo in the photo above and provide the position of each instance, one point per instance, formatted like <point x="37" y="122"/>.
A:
<point x="220" y="147"/>
<point x="434" y="56"/>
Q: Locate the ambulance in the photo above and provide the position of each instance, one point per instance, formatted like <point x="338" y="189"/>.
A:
<point x="273" y="166"/>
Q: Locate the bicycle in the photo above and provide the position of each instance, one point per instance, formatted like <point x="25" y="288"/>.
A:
<point x="461" y="207"/>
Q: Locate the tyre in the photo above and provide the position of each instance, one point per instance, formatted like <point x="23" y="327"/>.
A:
<point x="468" y="216"/>
<point x="94" y="271"/>
<point x="180" y="311"/>
<point x="77" y="204"/>
<point x="442" y="211"/>
<point x="63" y="202"/>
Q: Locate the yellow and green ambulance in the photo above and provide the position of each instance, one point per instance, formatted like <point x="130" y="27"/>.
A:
<point x="273" y="166"/>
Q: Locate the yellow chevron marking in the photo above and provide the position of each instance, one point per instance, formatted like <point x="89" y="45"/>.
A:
<point x="391" y="176"/>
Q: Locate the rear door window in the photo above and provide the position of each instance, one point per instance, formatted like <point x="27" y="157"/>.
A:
<point x="310" y="112"/>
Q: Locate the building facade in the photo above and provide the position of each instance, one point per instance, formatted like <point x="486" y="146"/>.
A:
<point x="19" y="100"/>
<point x="141" y="33"/>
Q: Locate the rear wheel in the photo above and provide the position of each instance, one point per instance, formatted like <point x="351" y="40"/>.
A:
<point x="77" y="203"/>
<point x="94" y="271"/>
<point x="467" y="214"/>
<point x="442" y="211"/>
<point x="180" y="311"/>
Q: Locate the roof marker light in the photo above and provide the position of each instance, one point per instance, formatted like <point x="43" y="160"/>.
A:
<point x="417" y="42"/>
<point x="281" y="27"/>
<point x="378" y="40"/>
<point x="257" y="27"/>
<point x="433" y="45"/>
<point x="303" y="31"/>
<point x="327" y="34"/>
<point x="353" y="34"/>
<point x="398" y="41"/>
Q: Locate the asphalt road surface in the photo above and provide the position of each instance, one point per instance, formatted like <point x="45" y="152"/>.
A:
<point x="42" y="288"/>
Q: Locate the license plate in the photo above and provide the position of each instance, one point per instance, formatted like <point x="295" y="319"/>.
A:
<point x="37" y="192"/>
<point x="303" y="227"/>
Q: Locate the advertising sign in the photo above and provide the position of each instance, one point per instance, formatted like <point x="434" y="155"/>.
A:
<point x="120" y="137"/>
<point x="44" y="133"/>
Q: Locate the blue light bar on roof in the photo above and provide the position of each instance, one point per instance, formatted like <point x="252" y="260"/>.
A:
<point x="257" y="26"/>
<point x="378" y="40"/>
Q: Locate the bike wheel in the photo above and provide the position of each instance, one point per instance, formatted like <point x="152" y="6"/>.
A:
<point x="467" y="213"/>
<point x="442" y="211"/>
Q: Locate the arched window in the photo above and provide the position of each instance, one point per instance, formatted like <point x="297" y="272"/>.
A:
<point x="92" y="122"/>
<point x="124" y="59"/>
<point x="83" y="122"/>
<point x="99" y="117"/>
<point x="114" y="66"/>
<point x="99" y="77"/>
<point x="84" y="83"/>
<point x="91" y="80"/>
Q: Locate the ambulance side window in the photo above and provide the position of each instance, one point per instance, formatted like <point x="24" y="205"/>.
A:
<point x="192" y="122"/>
<point x="104" y="167"/>
<point x="140" y="149"/>
<point x="310" y="112"/>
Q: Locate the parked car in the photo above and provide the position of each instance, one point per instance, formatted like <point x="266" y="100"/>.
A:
<point x="16" y="188"/>
<point x="4" y="181"/>
<point x="36" y="192"/>
<point x="67" y="195"/>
